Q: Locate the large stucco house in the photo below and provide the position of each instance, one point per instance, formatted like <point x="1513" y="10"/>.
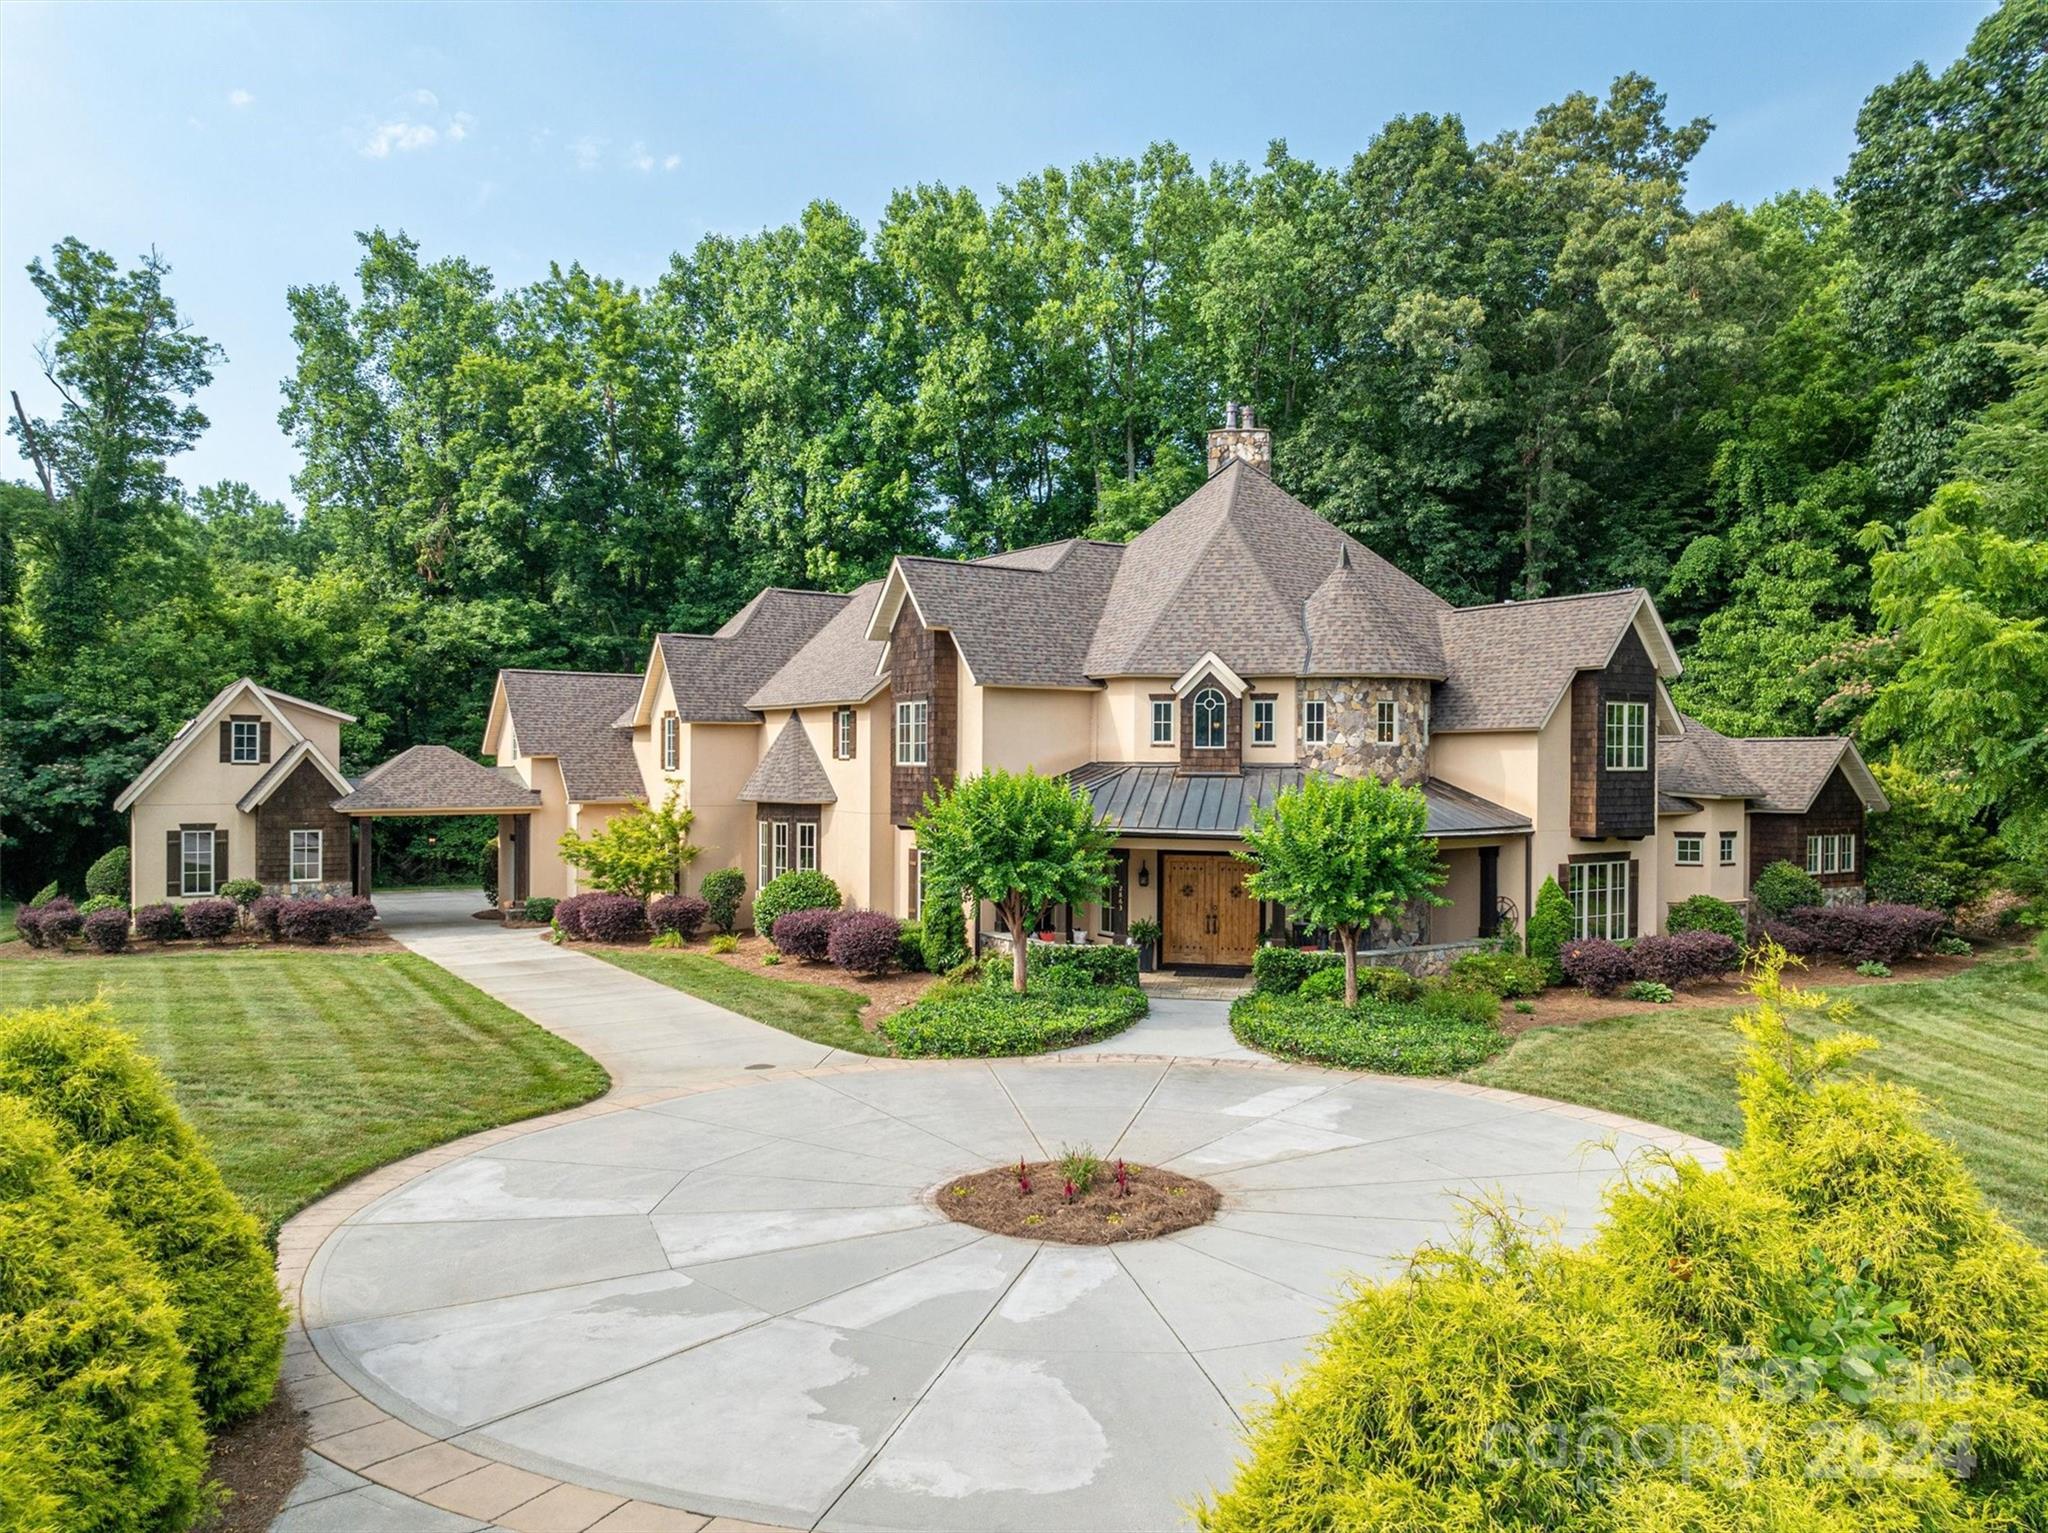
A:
<point x="1205" y="666"/>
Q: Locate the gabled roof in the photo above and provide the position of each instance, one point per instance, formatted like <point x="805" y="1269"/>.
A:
<point x="282" y="768"/>
<point x="1703" y="763"/>
<point x="196" y="728"/>
<point x="712" y="675"/>
<point x="1020" y="619"/>
<point x="1792" y="769"/>
<point x="790" y="773"/>
<point x="1235" y="568"/>
<point x="568" y="715"/>
<point x="837" y="664"/>
<point x="1140" y="797"/>
<point x="432" y="779"/>
<point x="1211" y="666"/>
<point x="1509" y="665"/>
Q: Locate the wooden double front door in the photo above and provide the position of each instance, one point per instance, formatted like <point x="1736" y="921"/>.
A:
<point x="1208" y="915"/>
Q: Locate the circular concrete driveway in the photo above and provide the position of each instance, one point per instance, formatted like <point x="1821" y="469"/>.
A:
<point x="738" y="1301"/>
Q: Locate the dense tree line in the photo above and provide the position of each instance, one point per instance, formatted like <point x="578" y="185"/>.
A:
<point x="1814" y="428"/>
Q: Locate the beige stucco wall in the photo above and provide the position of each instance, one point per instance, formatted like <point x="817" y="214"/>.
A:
<point x="324" y="732"/>
<point x="855" y="840"/>
<point x="1725" y="883"/>
<point x="1122" y="714"/>
<point x="717" y="759"/>
<point x="1053" y="731"/>
<point x="546" y="873"/>
<point x="197" y="789"/>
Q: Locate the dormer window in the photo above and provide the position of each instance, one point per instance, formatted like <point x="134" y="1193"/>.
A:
<point x="1210" y="727"/>
<point x="246" y="741"/>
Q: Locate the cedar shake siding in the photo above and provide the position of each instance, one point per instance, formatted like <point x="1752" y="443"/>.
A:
<point x="304" y="801"/>
<point x="1607" y="804"/>
<point x="923" y="667"/>
<point x="1229" y="761"/>
<point x="1836" y="810"/>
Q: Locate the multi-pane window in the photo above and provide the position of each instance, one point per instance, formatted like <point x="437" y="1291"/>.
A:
<point x="785" y="844"/>
<point x="1162" y="721"/>
<point x="1386" y="722"/>
<point x="1312" y="731"/>
<point x="807" y="844"/>
<point x="1727" y="848"/>
<point x="911" y="744"/>
<point x="245" y="740"/>
<point x="1600" y="900"/>
<point x="305" y="857"/>
<point x="195" y="862"/>
<point x="671" y="742"/>
<point x="1209" y="726"/>
<point x="842" y="734"/>
<point x="1831" y="854"/>
<point x="1691" y="851"/>
<point x="1262" y="721"/>
<point x="1628" y="737"/>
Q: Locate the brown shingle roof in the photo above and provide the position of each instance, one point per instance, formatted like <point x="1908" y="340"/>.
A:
<point x="1705" y="763"/>
<point x="1507" y="665"/>
<point x="568" y="715"/>
<point x="713" y="675"/>
<point x="790" y="773"/>
<point x="1789" y="770"/>
<point x="429" y="778"/>
<point x="1234" y="568"/>
<point x="1019" y="624"/>
<point x="837" y="664"/>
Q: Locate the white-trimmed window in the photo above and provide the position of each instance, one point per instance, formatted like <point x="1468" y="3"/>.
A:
<point x="1386" y="722"/>
<point x="1312" y="727"/>
<point x="195" y="862"/>
<point x="807" y="845"/>
<point x="305" y="868"/>
<point x="671" y="742"/>
<point x="1262" y="721"/>
<point x="1600" y="900"/>
<point x="1162" y="721"/>
<point x="1692" y="851"/>
<point x="842" y="734"/>
<point x="911" y="741"/>
<point x="1831" y="854"/>
<point x="781" y="862"/>
<point x="1211" y="732"/>
<point x="1727" y="848"/>
<point x="245" y="741"/>
<point x="1628" y="737"/>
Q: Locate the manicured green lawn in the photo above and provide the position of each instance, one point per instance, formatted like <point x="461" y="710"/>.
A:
<point x="822" y="1013"/>
<point x="304" y="1069"/>
<point x="1975" y="1044"/>
<point x="7" y="909"/>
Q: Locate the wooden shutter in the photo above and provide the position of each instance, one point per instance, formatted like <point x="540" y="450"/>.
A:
<point x="263" y="741"/>
<point x="227" y="738"/>
<point x="220" y="858"/>
<point x="1635" y="903"/>
<point x="852" y="733"/>
<point x="174" y="862"/>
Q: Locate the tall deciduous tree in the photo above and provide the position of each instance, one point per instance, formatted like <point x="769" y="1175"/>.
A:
<point x="1019" y="841"/>
<point x="1341" y="853"/>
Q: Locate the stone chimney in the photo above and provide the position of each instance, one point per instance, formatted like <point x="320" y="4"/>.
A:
<point x="1239" y="438"/>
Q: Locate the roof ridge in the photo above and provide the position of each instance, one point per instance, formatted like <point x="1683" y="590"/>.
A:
<point x="541" y="670"/>
<point x="1543" y="601"/>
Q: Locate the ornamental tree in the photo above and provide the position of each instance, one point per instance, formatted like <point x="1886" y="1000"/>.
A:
<point x="639" y="851"/>
<point x="1018" y="840"/>
<point x="1340" y="852"/>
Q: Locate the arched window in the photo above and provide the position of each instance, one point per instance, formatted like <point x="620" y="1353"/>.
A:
<point x="1209" y="726"/>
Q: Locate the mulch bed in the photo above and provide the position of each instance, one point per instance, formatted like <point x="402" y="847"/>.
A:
<point x="1157" y="1203"/>
<point x="884" y="993"/>
<point x="256" y="1463"/>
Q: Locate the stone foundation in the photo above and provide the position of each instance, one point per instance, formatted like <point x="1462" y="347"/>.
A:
<point x="1424" y="960"/>
<point x="1843" y="894"/>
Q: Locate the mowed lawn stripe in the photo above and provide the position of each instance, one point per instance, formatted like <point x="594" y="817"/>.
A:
<point x="303" y="1068"/>
<point x="1975" y="1044"/>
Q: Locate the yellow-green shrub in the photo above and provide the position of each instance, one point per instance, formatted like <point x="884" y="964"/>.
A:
<point x="1441" y="1400"/>
<point x="99" y="1432"/>
<point x="124" y="1139"/>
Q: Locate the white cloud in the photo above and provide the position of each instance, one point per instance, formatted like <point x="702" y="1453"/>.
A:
<point x="641" y="160"/>
<point x="589" y="149"/>
<point x="239" y="98"/>
<point x="425" y="98"/>
<point x="671" y="162"/>
<point x="459" y="126"/>
<point x="399" y="137"/>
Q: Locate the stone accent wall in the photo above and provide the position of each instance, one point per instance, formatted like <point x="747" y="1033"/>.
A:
<point x="1350" y="747"/>
<point x="304" y="801"/>
<point x="1607" y="805"/>
<point x="922" y="664"/>
<point x="1252" y="444"/>
<point x="1425" y="960"/>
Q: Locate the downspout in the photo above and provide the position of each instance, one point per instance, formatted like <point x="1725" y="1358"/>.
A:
<point x="1528" y="883"/>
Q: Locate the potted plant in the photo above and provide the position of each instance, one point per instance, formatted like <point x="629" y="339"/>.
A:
<point x="1146" y="935"/>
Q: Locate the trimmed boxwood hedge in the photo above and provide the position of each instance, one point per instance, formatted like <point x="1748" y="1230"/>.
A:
<point x="1062" y="963"/>
<point x="798" y="889"/>
<point x="1393" y="1037"/>
<point x="125" y="1141"/>
<point x="93" y="1379"/>
<point x="964" y="1021"/>
<point x="109" y="874"/>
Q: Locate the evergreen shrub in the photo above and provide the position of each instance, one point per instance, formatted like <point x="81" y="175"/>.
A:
<point x="1783" y="887"/>
<point x="109" y="874"/>
<point x="723" y="889"/>
<point x="798" y="889"/>
<point x="1550" y="928"/>
<point x="1704" y="913"/>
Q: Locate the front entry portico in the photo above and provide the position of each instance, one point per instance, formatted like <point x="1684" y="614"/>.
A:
<point x="1206" y="915"/>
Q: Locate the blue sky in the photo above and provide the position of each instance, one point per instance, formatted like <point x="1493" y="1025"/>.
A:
<point x="248" y="143"/>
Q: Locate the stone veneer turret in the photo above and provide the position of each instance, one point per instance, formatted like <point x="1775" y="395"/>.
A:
<point x="1350" y="746"/>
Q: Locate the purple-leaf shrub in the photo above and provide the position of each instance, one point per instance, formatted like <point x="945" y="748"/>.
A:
<point x="863" y="941"/>
<point x="1595" y="964"/>
<point x="162" y="922"/>
<point x="682" y="914"/>
<point x="613" y="917"/>
<point x="353" y="914"/>
<point x="1865" y="933"/>
<point x="569" y="916"/>
<point x="263" y="915"/>
<point x="29" y="922"/>
<point x="1683" y="957"/>
<point x="314" y="922"/>
<point x="106" y="931"/>
<point x="211" y="920"/>
<point x="805" y="934"/>
<point x="57" y="921"/>
<point x="1795" y="937"/>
